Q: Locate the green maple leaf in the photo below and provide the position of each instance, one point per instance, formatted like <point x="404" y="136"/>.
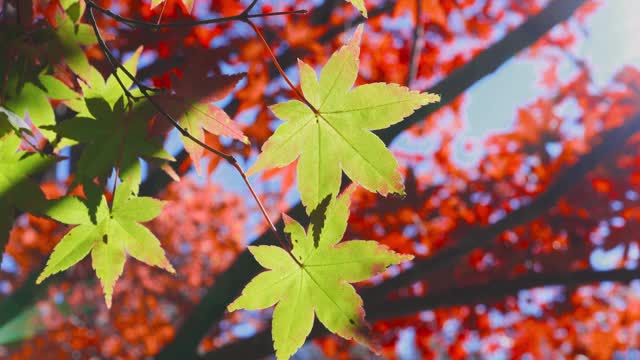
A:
<point x="95" y="86"/>
<point x="339" y="134"/>
<point x="16" y="168"/>
<point x="113" y="137"/>
<point x="113" y="130"/>
<point x="113" y="234"/>
<point x="320" y="285"/>
<point x="70" y="38"/>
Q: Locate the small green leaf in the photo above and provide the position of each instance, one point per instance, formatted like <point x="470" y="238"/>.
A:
<point x="32" y="101"/>
<point x="75" y="10"/>
<point x="56" y="89"/>
<point x="320" y="285"/>
<point x="109" y="235"/>
<point x="70" y="37"/>
<point x="66" y="3"/>
<point x="338" y="137"/>
<point x="113" y="136"/>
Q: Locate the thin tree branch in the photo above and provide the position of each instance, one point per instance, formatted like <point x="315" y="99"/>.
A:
<point x="229" y="284"/>
<point x="250" y="7"/>
<point x="154" y="26"/>
<point x="116" y="65"/>
<point x="414" y="57"/>
<point x="261" y="345"/>
<point x="280" y="70"/>
<point x="611" y="144"/>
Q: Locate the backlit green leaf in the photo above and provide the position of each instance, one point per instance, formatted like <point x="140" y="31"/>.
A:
<point x="113" y="136"/>
<point x="320" y="285"/>
<point x="109" y="236"/>
<point x="338" y="137"/>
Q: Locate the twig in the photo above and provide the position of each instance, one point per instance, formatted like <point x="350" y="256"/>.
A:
<point x="280" y="70"/>
<point x="164" y="6"/>
<point x="107" y="53"/>
<point x="145" y="24"/>
<point x="249" y="8"/>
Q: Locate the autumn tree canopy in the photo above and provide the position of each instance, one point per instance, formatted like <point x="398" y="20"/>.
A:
<point x="231" y="179"/>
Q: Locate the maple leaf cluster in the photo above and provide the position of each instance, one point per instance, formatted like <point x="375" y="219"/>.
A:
<point x="109" y="90"/>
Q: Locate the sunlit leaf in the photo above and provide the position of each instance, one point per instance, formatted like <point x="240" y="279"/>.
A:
<point x="319" y="285"/>
<point x="339" y="138"/>
<point x="113" y="234"/>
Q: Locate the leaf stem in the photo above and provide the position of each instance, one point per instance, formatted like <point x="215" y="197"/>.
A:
<point x="280" y="70"/>
<point x="272" y="227"/>
<point x="145" y="24"/>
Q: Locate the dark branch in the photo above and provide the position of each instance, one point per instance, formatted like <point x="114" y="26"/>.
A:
<point x="154" y="26"/>
<point x="261" y="345"/>
<point x="611" y="144"/>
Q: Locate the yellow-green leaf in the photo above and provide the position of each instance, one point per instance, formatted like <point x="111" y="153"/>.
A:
<point x="319" y="286"/>
<point x="110" y="235"/>
<point x="338" y="136"/>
